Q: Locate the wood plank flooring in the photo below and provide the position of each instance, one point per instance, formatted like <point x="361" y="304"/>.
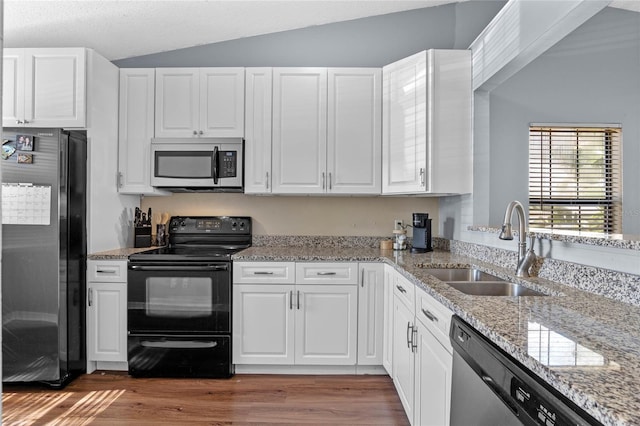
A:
<point x="108" y="398"/>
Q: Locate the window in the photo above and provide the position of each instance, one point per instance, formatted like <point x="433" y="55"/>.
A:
<point x="575" y="178"/>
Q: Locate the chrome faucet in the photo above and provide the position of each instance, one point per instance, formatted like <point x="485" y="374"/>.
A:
<point x="525" y="257"/>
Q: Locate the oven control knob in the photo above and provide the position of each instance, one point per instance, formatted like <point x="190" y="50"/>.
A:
<point x="182" y="223"/>
<point x="234" y="224"/>
<point x="241" y="225"/>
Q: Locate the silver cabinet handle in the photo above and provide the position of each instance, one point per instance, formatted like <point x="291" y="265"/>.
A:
<point x="409" y="334"/>
<point x="429" y="315"/>
<point x="195" y="133"/>
<point x="263" y="273"/>
<point x="401" y="289"/>
<point x="414" y="335"/>
<point x="362" y="278"/>
<point x="120" y="179"/>
<point x="422" y="176"/>
<point x="26" y="121"/>
<point x="200" y="132"/>
<point x="323" y="185"/>
<point x="90" y="296"/>
<point x="298" y="299"/>
<point x="266" y="180"/>
<point x="330" y="186"/>
<point x="291" y="300"/>
<point x="106" y="271"/>
<point x="325" y="273"/>
<point x="19" y="122"/>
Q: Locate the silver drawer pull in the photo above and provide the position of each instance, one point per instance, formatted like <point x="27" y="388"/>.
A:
<point x="401" y="289"/>
<point x="263" y="273"/>
<point x="106" y="271"/>
<point x="429" y="315"/>
<point x="325" y="273"/>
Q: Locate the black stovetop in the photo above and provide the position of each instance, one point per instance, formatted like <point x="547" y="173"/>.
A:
<point x="201" y="238"/>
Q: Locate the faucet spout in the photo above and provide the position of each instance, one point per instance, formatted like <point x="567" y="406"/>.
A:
<point x="525" y="257"/>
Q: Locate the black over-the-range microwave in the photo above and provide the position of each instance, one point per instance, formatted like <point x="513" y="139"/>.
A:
<point x="204" y="164"/>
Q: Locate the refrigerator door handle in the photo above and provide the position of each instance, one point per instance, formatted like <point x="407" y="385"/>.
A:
<point x="90" y="295"/>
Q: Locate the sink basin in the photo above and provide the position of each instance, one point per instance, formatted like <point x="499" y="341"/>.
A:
<point x="460" y="274"/>
<point x="493" y="288"/>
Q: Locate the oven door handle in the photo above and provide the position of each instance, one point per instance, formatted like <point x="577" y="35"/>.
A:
<point x="179" y="268"/>
<point x="178" y="344"/>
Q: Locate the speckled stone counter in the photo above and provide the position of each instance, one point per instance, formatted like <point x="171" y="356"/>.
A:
<point x="584" y="345"/>
<point x="117" y="254"/>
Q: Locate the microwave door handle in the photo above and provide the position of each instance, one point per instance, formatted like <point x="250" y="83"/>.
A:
<point x="215" y="165"/>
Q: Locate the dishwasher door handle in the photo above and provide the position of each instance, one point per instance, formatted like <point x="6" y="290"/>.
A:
<point x="494" y="387"/>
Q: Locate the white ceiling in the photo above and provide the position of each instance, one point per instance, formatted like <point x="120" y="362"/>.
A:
<point x="120" y="29"/>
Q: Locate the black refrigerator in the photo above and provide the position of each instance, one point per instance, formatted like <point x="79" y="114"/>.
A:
<point x="44" y="175"/>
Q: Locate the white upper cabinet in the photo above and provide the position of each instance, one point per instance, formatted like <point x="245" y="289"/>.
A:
<point x="354" y="131"/>
<point x="326" y="131"/>
<point x="426" y="110"/>
<point x="257" y="130"/>
<point x="136" y="112"/>
<point x="299" y="130"/>
<point x="199" y="102"/>
<point x="44" y="87"/>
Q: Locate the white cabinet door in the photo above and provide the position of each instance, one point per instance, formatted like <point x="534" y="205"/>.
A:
<point x="387" y="342"/>
<point x="403" y="124"/>
<point x="403" y="355"/>
<point x="326" y="324"/>
<point x="137" y="88"/>
<point x="51" y="83"/>
<point x="221" y="102"/>
<point x="257" y="131"/>
<point x="354" y="131"/>
<point x="299" y="130"/>
<point x="263" y="318"/>
<point x="13" y="87"/>
<point x="107" y="321"/>
<point x="199" y="102"/>
<point x="177" y="102"/>
<point x="433" y="380"/>
<point x="370" y="314"/>
<point x="426" y="121"/>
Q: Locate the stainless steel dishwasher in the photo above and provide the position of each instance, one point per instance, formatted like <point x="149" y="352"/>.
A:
<point x="489" y="388"/>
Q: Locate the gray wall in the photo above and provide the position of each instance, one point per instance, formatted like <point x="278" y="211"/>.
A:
<point x="591" y="76"/>
<point x="366" y="42"/>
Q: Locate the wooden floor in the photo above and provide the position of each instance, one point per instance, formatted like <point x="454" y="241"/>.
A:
<point x="105" y="398"/>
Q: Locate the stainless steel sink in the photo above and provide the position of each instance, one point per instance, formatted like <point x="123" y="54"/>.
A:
<point x="460" y="274"/>
<point x="493" y="288"/>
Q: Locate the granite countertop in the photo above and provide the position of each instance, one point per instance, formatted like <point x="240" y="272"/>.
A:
<point x="584" y="345"/>
<point x="117" y="254"/>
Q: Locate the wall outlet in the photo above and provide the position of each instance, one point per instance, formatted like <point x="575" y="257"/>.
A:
<point x="397" y="224"/>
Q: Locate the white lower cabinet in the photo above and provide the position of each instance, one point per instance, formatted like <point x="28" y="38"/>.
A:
<point x="387" y="338"/>
<point x="421" y="353"/>
<point x="433" y="380"/>
<point x="107" y="311"/>
<point x="263" y="324"/>
<point x="371" y="314"/>
<point x="404" y="354"/>
<point x="294" y="324"/>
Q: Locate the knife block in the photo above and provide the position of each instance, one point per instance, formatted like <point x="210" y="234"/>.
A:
<point x="142" y="236"/>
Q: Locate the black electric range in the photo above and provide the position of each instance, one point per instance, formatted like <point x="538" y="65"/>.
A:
<point x="179" y="299"/>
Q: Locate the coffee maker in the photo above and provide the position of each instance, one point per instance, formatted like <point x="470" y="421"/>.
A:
<point x="421" y="233"/>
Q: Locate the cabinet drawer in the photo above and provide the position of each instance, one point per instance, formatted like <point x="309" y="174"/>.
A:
<point x="264" y="272"/>
<point x="435" y="316"/>
<point x="405" y="290"/>
<point x="107" y="271"/>
<point x="326" y="273"/>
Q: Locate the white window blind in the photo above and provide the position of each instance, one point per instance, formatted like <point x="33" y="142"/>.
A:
<point x="575" y="178"/>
